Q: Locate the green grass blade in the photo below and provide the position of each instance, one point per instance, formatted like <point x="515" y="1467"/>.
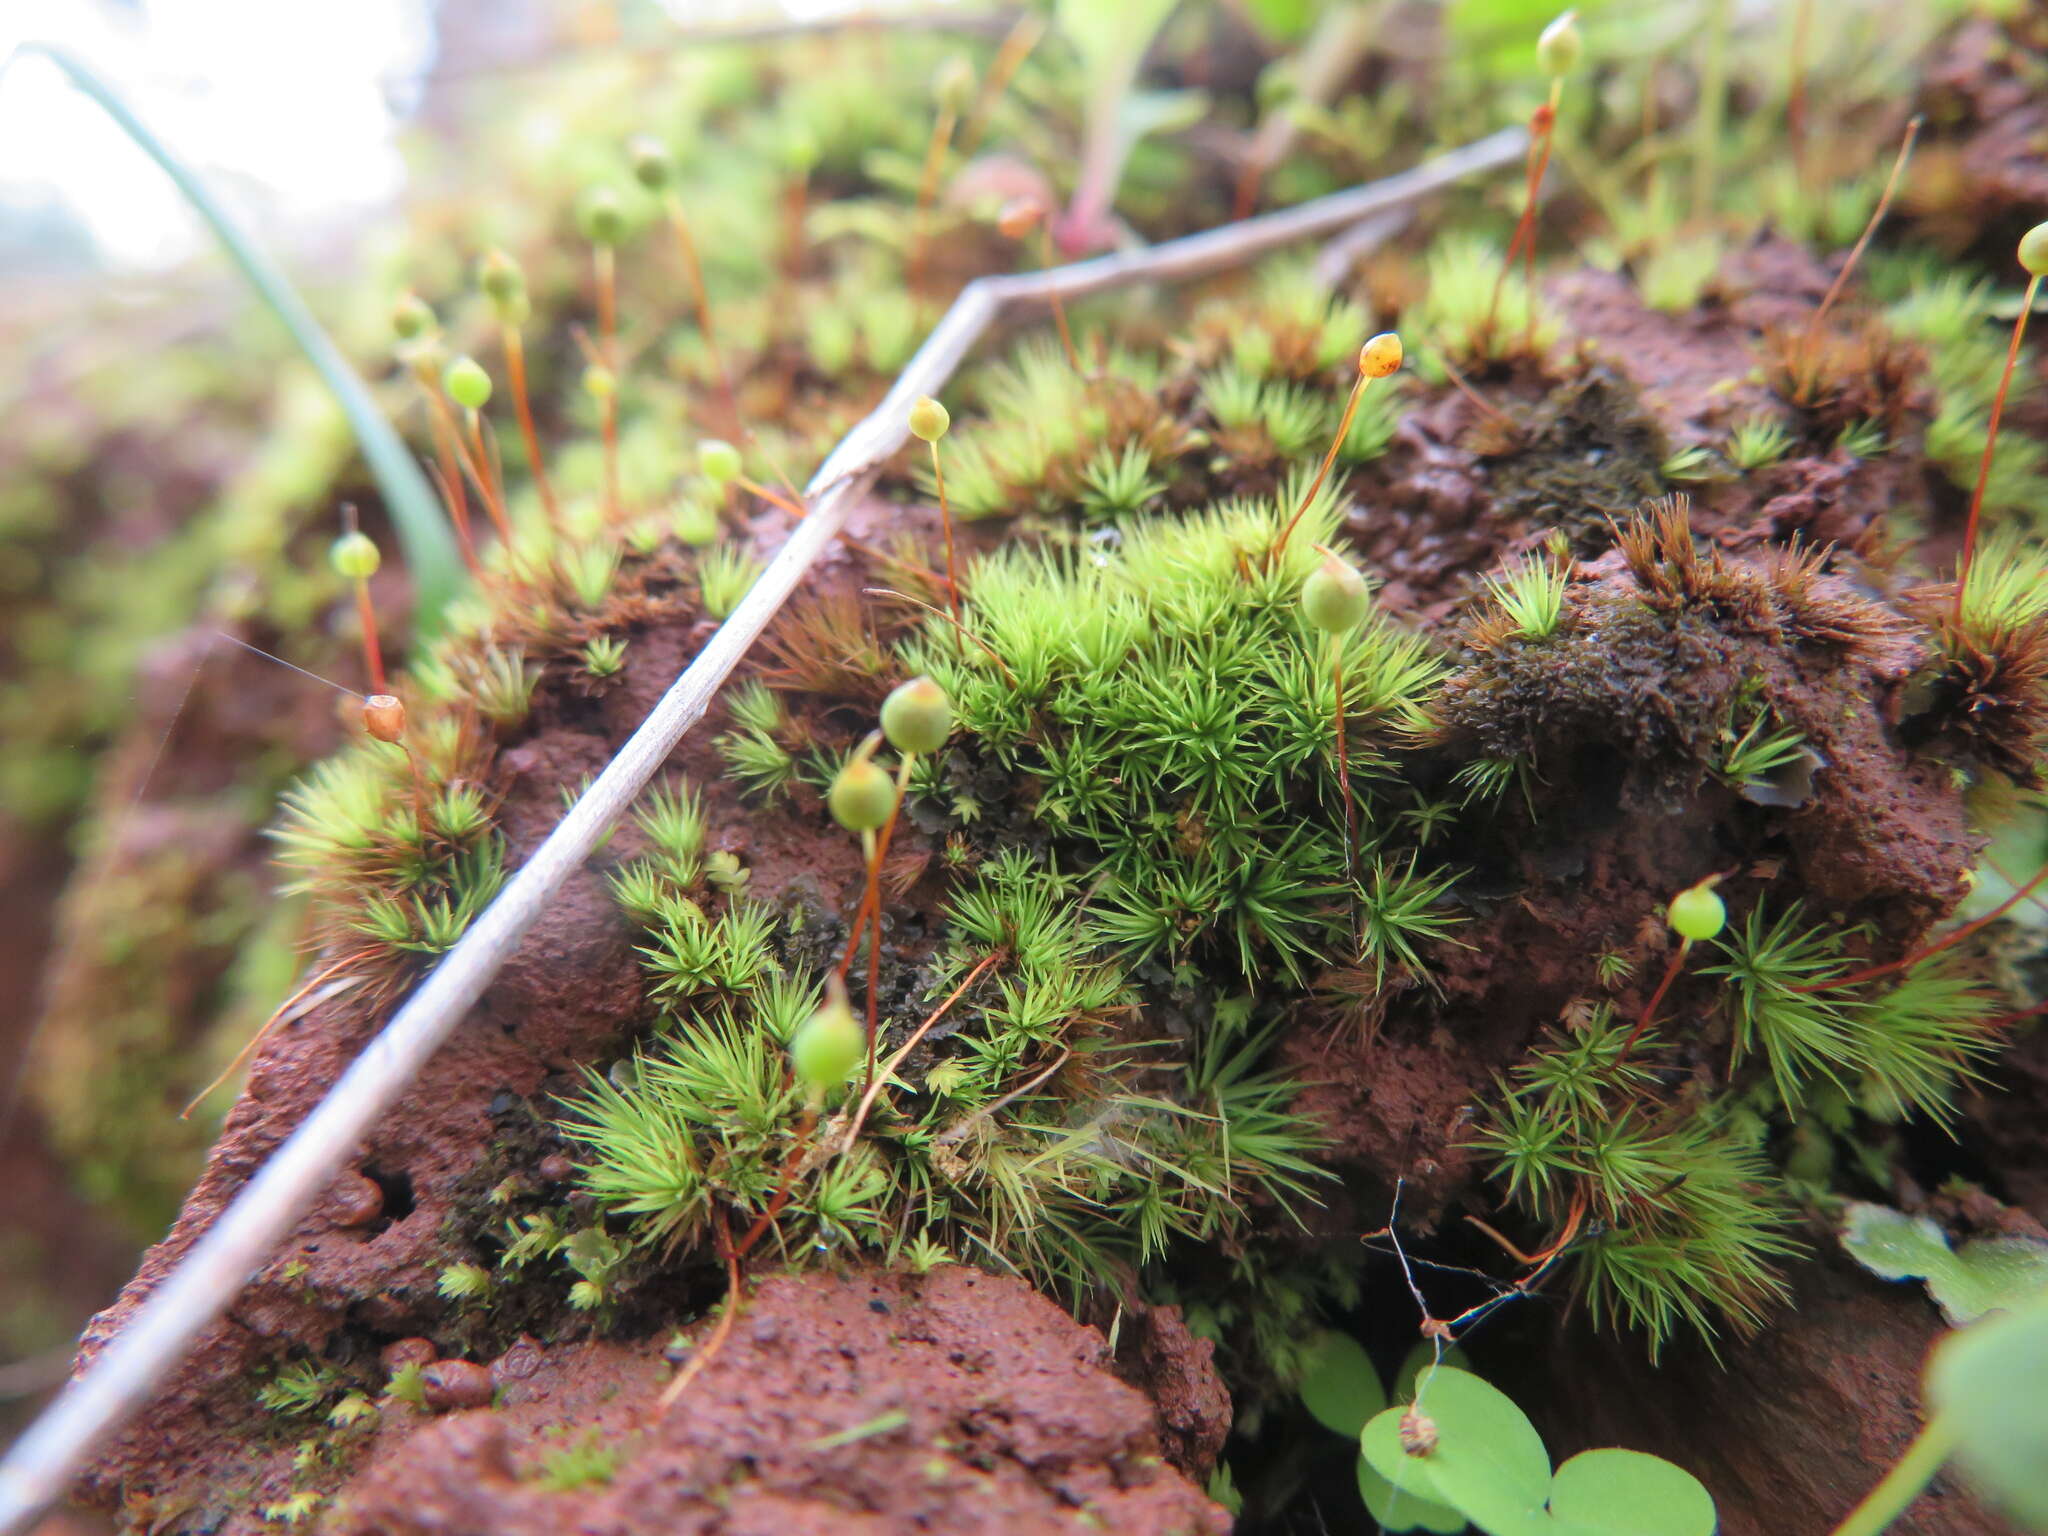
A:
<point x="423" y="531"/>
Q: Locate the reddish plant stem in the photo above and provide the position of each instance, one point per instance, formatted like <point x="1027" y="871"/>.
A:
<point x="2012" y="357"/>
<point x="373" y="653"/>
<point x="447" y="443"/>
<point x="2013" y="1018"/>
<point x="785" y="1185"/>
<point x="1059" y="308"/>
<point x="1016" y="47"/>
<point x="774" y="498"/>
<point x="874" y="909"/>
<point x="703" y="1357"/>
<point x="1927" y="952"/>
<point x="693" y="272"/>
<point x="946" y="522"/>
<point x="487" y="481"/>
<point x="1315" y="485"/>
<point x="960" y="629"/>
<point x="1542" y="166"/>
<point x="515" y="374"/>
<point x="927" y="190"/>
<point x="874" y="1088"/>
<point x="1856" y="252"/>
<point x="1650" y="1008"/>
<point x="1541" y="123"/>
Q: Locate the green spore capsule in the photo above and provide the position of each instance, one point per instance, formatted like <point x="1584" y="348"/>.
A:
<point x="827" y="1046"/>
<point x="928" y="420"/>
<point x="599" y="382"/>
<point x="355" y="556"/>
<point x="504" y="285"/>
<point x="719" y="460"/>
<point x="1697" y="913"/>
<point x="2034" y="251"/>
<point x="917" y="717"/>
<point x="1559" y="48"/>
<point x="467" y="384"/>
<point x="953" y="85"/>
<point x="862" y="796"/>
<point x="649" y="158"/>
<point x="1335" y="597"/>
<point x="600" y="217"/>
<point x="411" y="317"/>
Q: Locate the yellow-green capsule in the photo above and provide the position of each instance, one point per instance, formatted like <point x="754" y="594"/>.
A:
<point x="2034" y="251"/>
<point x="1559" y="48"/>
<point x="1335" y="597"/>
<point x="917" y="716"/>
<point x="649" y="159"/>
<point x="504" y="285"/>
<point x="719" y="460"/>
<point x="602" y="219"/>
<point x="1697" y="913"/>
<point x="411" y="318"/>
<point x="928" y="420"/>
<point x="355" y="556"/>
<point x="828" y="1045"/>
<point x="467" y="384"/>
<point x="862" y="796"/>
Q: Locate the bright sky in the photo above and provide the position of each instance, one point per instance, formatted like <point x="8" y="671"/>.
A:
<point x="290" y="110"/>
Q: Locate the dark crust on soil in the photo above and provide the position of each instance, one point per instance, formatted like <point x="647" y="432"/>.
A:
<point x="990" y="1410"/>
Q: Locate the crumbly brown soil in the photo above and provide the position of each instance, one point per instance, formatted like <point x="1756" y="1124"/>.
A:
<point x="1034" y="1421"/>
<point x="868" y="1402"/>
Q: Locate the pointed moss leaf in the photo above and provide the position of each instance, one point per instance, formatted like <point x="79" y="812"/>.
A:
<point x="1985" y="1275"/>
<point x="1420" y="1358"/>
<point x="1488" y="1463"/>
<point x="1985" y="1384"/>
<point x="1398" y="1510"/>
<point x="1340" y="1386"/>
<point x="1626" y="1493"/>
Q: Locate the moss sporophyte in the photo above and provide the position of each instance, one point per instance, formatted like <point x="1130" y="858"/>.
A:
<point x="1290" y="721"/>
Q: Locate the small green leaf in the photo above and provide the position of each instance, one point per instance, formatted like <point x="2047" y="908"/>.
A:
<point x="1987" y="1274"/>
<point x="1985" y="1384"/>
<point x="1626" y="1493"/>
<point x="1420" y="1358"/>
<point x="1381" y="1452"/>
<point x="1399" y="1511"/>
<point x="1891" y="1244"/>
<point x="1488" y="1461"/>
<point x="1340" y="1386"/>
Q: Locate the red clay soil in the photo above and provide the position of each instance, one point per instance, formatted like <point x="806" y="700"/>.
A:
<point x="866" y="1402"/>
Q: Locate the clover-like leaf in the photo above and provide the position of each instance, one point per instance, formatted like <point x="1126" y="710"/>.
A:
<point x="1614" y="1492"/>
<point x="1341" y="1387"/>
<point x="1403" y="1509"/>
<point x="1420" y="1358"/>
<point x="1986" y="1274"/>
<point x="1487" y="1461"/>
<point x="1984" y="1383"/>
